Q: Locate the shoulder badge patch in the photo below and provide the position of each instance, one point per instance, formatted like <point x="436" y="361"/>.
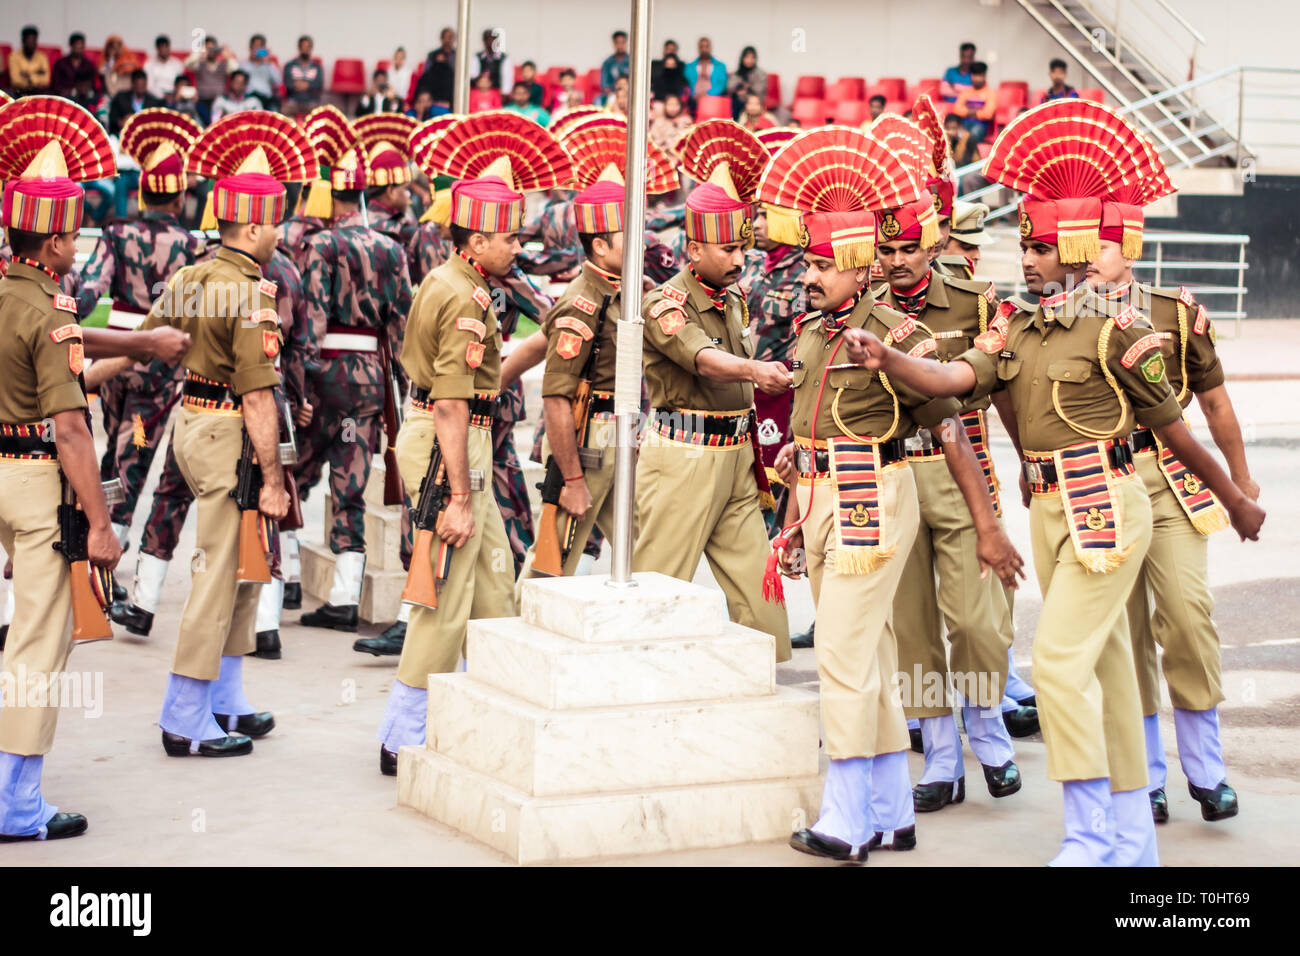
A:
<point x="270" y="343"/>
<point x="265" y="315"/>
<point x="482" y="298"/>
<point x="568" y="345"/>
<point x="1127" y="317"/>
<point x="1153" y="369"/>
<point x="1185" y="297"/>
<point x="992" y="341"/>
<point x="468" y="324"/>
<point x="65" y="303"/>
<point x="671" y="321"/>
<point x="267" y="287"/>
<point x="76" y="357"/>
<point x="923" y="348"/>
<point x="903" y="329"/>
<point x="584" y="305"/>
<point x="991" y="295"/>
<point x="63" y="332"/>
<point x="674" y="293"/>
<point x="1202" y="323"/>
<point x="574" y="325"/>
<point x="1140" y="348"/>
<point x="474" y="354"/>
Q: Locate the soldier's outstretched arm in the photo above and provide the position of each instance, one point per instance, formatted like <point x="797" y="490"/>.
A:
<point x="527" y="354"/>
<point x="1226" y="432"/>
<point x="771" y="377"/>
<point x="936" y="379"/>
<point x="995" y="550"/>
<point x="163" y="342"/>
<point x="1247" y="517"/>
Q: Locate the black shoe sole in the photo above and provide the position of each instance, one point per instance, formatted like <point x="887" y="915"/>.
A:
<point x="345" y="628"/>
<point x="266" y="655"/>
<point x="1214" y="816"/>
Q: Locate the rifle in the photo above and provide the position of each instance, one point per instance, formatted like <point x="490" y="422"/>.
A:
<point x="435" y="493"/>
<point x="92" y="588"/>
<point x="551" y="554"/>
<point x="394" y="493"/>
<point x="254" y="527"/>
<point x="288" y="458"/>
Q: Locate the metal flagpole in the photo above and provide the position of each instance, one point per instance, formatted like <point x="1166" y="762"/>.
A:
<point x="627" y="379"/>
<point x="460" y="92"/>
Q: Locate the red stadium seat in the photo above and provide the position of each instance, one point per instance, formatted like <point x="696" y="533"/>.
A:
<point x="52" y="51"/>
<point x="850" y="113"/>
<point x="847" y="88"/>
<point x="1014" y="86"/>
<point x="810" y="111"/>
<point x="415" y="81"/>
<point x="552" y="75"/>
<point x="900" y="107"/>
<point x="383" y="65"/>
<point x="893" y="87"/>
<point x="480" y="100"/>
<point x="713" y="107"/>
<point x="984" y="149"/>
<point x="1037" y="97"/>
<point x="929" y="85"/>
<point x="93" y="53"/>
<point x="1094" y="94"/>
<point x="349" y="77"/>
<point x="590" y="84"/>
<point x="773" y="91"/>
<point x="810" y="88"/>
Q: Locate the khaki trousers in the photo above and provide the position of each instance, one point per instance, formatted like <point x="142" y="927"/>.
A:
<point x="480" y="583"/>
<point x="1171" y="605"/>
<point x="973" y="609"/>
<point x="600" y="482"/>
<point x="40" y="638"/>
<point x="692" y="501"/>
<point x="220" y="615"/>
<point x="856" y="651"/>
<point x="1088" y="702"/>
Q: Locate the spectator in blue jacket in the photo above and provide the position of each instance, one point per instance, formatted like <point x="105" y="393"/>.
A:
<point x="706" y="75"/>
<point x="615" y="65"/>
<point x="955" y="77"/>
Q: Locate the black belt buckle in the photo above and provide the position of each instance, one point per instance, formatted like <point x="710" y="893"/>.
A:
<point x="1121" y="454"/>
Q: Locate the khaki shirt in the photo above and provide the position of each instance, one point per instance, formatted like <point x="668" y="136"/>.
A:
<point x="1059" y="373"/>
<point x="229" y="310"/>
<point x="1191" y="360"/>
<point x="42" y="356"/>
<point x="955" y="311"/>
<point x="954" y="267"/>
<point x="453" y="343"/>
<point x="859" y="395"/>
<point x="570" y="335"/>
<point x="680" y="322"/>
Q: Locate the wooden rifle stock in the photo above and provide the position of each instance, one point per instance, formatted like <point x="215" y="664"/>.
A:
<point x="292" y="521"/>
<point x="394" y="493"/>
<point x="421" y="584"/>
<point x="422" y="577"/>
<point x="88" y="620"/>
<point x="252" y="556"/>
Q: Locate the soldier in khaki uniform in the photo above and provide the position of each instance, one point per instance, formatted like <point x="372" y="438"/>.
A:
<point x="699" y="475"/>
<point x="230" y="374"/>
<point x="571" y="329"/>
<point x="1076" y="381"/>
<point x="1171" y="601"/>
<point x="452" y="355"/>
<point x="973" y="609"/>
<point x="854" y="515"/>
<point x="961" y="253"/>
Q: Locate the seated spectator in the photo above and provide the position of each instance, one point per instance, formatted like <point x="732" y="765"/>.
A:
<point x="399" y="76"/>
<point x="304" y="79"/>
<point x="875" y="106"/>
<point x="965" y="148"/>
<point x="85" y="95"/>
<point x="519" y="104"/>
<point x="71" y="67"/>
<point x="29" y="68"/>
<point x="754" y="117"/>
<point x="380" y="98"/>
<point x="615" y="65"/>
<point x="617" y="104"/>
<point x="748" y="78"/>
<point x="568" y="95"/>
<point x="263" y="73"/>
<point x="162" y="69"/>
<point x="236" y="99"/>
<point x="536" y="92"/>
<point x="1058" y="90"/>
<point x="706" y="75"/>
<point x="116" y="65"/>
<point x="211" y="67"/>
<point x="425" y="107"/>
<point x="671" y="80"/>
<point x="977" y="104"/>
<point x="131" y="101"/>
<point x="184" y="98"/>
<point x="665" y="128"/>
<point x="955" y="78"/>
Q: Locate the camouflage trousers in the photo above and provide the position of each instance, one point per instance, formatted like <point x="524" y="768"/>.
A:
<point x="508" y="477"/>
<point x="135" y="408"/>
<point x="344" y="433"/>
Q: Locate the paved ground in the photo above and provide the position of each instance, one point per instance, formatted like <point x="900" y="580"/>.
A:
<point x="312" y="794"/>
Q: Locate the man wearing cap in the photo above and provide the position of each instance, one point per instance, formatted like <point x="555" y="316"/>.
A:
<point x="590" y="306"/>
<point x="388" y="197"/>
<point x="971" y="605"/>
<point x="357" y="291"/>
<point x="1075" y="380"/>
<point x="1171" y="602"/>
<point x="960" y="255"/>
<point x="227" y="397"/>
<point x="699" y="474"/>
<point x="453" y="358"/>
<point x="130" y="263"/>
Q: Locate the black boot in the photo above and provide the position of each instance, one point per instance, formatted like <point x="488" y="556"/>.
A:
<point x="387" y="644"/>
<point x="119" y="593"/>
<point x="904" y="839"/>
<point x="58" y="827"/>
<point x="268" y="645"/>
<point x="1159" y="805"/>
<point x="828" y="848"/>
<point x="1021" y="722"/>
<point x="136" y="620"/>
<point x="340" y="618"/>
<point x="1219" y="803"/>
<point x="805" y="639"/>
<point x="928" y="797"/>
<point x="250" y="725"/>
<point x="1002" y="781"/>
<point x="387" y="762"/>
<point x="918" y="742"/>
<point x="4" y="634"/>
<point x="293" y="596"/>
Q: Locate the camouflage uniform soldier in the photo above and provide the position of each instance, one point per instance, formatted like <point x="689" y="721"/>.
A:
<point x="357" y="290"/>
<point x="388" y="198"/>
<point x="561" y="252"/>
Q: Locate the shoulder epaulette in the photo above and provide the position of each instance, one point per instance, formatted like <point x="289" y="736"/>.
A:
<point x="799" y="321"/>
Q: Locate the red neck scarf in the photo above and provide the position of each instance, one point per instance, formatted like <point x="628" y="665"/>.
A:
<point x="23" y="260"/>
<point x="913" y="300"/>
<point x="717" y="296"/>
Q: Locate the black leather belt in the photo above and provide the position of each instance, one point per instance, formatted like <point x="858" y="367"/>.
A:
<point x="478" y="407"/>
<point x="208" y="392"/>
<point x="26" y="441"/>
<point x="817" y="461"/>
<point x="683" y="426"/>
<point x="1142" y="439"/>
<point x="602" y="404"/>
<point x="1042" y="473"/>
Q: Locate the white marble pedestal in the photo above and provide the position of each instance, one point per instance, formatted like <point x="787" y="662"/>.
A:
<point x="610" y="721"/>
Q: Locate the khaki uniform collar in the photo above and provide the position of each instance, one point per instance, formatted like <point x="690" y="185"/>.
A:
<point x="1063" y="311"/>
<point x="462" y="265"/>
<point x="936" y="295"/>
<point x="699" y="298"/>
<point x="240" y="260"/>
<point x="594" y="276"/>
<point x="19" y="270"/>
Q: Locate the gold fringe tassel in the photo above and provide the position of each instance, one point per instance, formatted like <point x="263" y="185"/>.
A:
<point x="209" y="219"/>
<point x="1103" y="561"/>
<point x="1131" y="245"/>
<point x="767" y="500"/>
<point x="1076" y="247"/>
<point x="319" y="203"/>
<point x="855" y="254"/>
<point x="861" y="560"/>
<point x="784" y="225"/>
<point x="1211" y="520"/>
